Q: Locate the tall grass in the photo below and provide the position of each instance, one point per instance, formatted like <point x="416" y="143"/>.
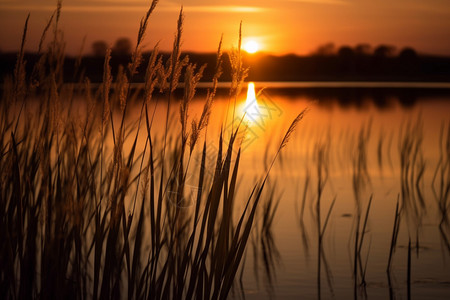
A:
<point x="88" y="212"/>
<point x="322" y="164"/>
<point x="441" y="184"/>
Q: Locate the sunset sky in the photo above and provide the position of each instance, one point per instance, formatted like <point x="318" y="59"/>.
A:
<point x="280" y="27"/>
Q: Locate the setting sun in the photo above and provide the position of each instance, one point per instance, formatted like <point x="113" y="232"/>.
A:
<point x="251" y="46"/>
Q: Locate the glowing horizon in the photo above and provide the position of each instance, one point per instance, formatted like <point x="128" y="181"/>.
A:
<point x="289" y="26"/>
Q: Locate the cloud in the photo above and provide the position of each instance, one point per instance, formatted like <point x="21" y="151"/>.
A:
<point x="331" y="2"/>
<point x="225" y="8"/>
<point x="135" y="8"/>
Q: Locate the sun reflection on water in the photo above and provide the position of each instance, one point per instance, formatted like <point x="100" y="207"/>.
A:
<point x="250" y="109"/>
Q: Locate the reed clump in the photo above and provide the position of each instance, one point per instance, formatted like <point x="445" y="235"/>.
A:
<point x="94" y="205"/>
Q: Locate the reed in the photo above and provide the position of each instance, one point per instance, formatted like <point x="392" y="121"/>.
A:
<point x="408" y="272"/>
<point x="264" y="248"/>
<point x="88" y="213"/>
<point x="360" y="181"/>
<point x="441" y="184"/>
<point x="322" y="164"/>
<point x="395" y="231"/>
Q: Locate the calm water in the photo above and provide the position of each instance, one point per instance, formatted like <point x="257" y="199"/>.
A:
<point x="358" y="144"/>
<point x="363" y="182"/>
<point x="385" y="142"/>
<point x="370" y="126"/>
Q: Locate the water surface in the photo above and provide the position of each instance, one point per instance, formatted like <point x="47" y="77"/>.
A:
<point x="381" y="140"/>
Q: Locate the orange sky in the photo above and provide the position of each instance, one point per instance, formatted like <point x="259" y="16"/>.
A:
<point x="282" y="26"/>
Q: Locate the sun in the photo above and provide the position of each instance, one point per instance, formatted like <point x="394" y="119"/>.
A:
<point x="251" y="46"/>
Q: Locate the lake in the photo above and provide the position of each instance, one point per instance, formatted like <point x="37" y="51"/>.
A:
<point x="388" y="142"/>
<point x="355" y="201"/>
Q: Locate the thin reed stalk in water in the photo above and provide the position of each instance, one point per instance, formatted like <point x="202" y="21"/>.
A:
<point x="395" y="230"/>
<point x="322" y="178"/>
<point x="75" y="213"/>
<point x="408" y="275"/>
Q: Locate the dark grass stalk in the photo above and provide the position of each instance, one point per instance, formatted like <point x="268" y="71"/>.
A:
<point x="174" y="69"/>
<point x="322" y="177"/>
<point x="355" y="264"/>
<point x="78" y="72"/>
<point x="20" y="76"/>
<point x="408" y="275"/>
<point x="441" y="178"/>
<point x="305" y="193"/>
<point x="241" y="276"/>
<point x="329" y="275"/>
<point x="194" y="136"/>
<point x="300" y="213"/>
<point x="391" y="289"/>
<point x="380" y="146"/>
<point x="135" y="63"/>
<point x="361" y="179"/>
<point x="265" y="251"/>
<point x="364" y="270"/>
<point x="319" y="240"/>
<point x="126" y="225"/>
<point x="321" y="251"/>
<point x="73" y="192"/>
<point x="444" y="237"/>
<point x="246" y="231"/>
<point x="363" y="231"/>
<point x="395" y="231"/>
<point x="238" y="75"/>
<point x="412" y="170"/>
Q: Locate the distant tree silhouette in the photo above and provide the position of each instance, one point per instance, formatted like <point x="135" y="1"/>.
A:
<point x="346" y="52"/>
<point x="122" y="47"/>
<point x="407" y="53"/>
<point x="99" y="48"/>
<point x="363" y="49"/>
<point x="408" y="61"/>
<point x="346" y="60"/>
<point x="384" y="51"/>
<point x="325" y="50"/>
